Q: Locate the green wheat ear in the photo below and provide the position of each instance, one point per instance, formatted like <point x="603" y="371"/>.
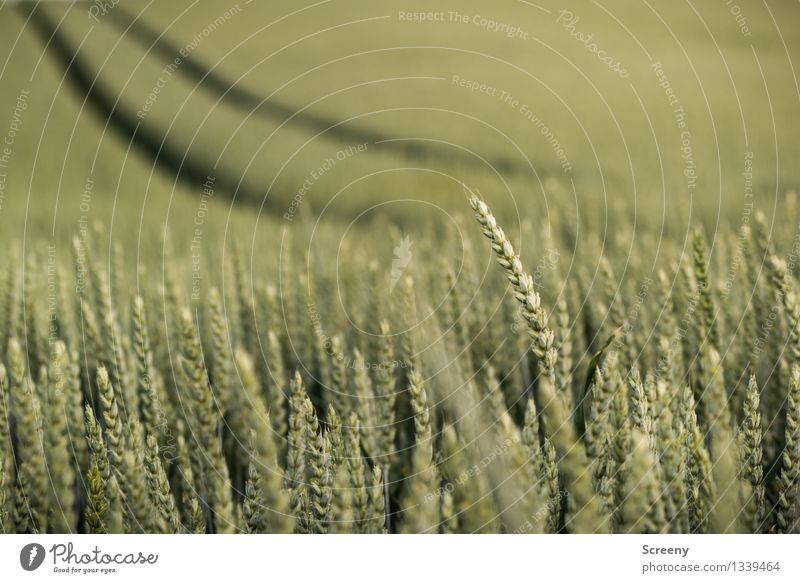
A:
<point x="589" y="516"/>
<point x="211" y="467"/>
<point x="421" y="500"/>
<point x="6" y="453"/>
<point x="270" y="503"/>
<point x="342" y="508"/>
<point x="321" y="479"/>
<point x="6" y="524"/>
<point x="377" y="507"/>
<point x="62" y="472"/>
<point x="97" y="505"/>
<point x="164" y="516"/>
<point x="699" y="482"/>
<point x="752" y="454"/>
<point x="26" y="411"/>
<point x="788" y="518"/>
<point x="522" y="283"/>
<point x="113" y="422"/>
<point x="298" y="451"/>
<point x="707" y="308"/>
<point x="356" y="468"/>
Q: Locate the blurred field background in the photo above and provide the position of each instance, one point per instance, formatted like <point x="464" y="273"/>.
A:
<point x="366" y="69"/>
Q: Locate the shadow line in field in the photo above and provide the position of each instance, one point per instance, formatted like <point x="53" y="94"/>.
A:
<point x="124" y="122"/>
<point x="242" y="98"/>
<point x="174" y="159"/>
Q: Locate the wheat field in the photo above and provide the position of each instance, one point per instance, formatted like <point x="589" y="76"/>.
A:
<point x="352" y="268"/>
<point x="672" y="406"/>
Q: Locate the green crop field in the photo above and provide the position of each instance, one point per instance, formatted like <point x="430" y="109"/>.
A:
<point x="252" y="250"/>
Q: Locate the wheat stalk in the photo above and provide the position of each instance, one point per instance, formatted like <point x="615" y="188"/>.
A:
<point x="522" y="283"/>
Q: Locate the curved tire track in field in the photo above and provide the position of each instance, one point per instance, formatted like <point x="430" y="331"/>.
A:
<point x="124" y="122"/>
<point x="240" y="97"/>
